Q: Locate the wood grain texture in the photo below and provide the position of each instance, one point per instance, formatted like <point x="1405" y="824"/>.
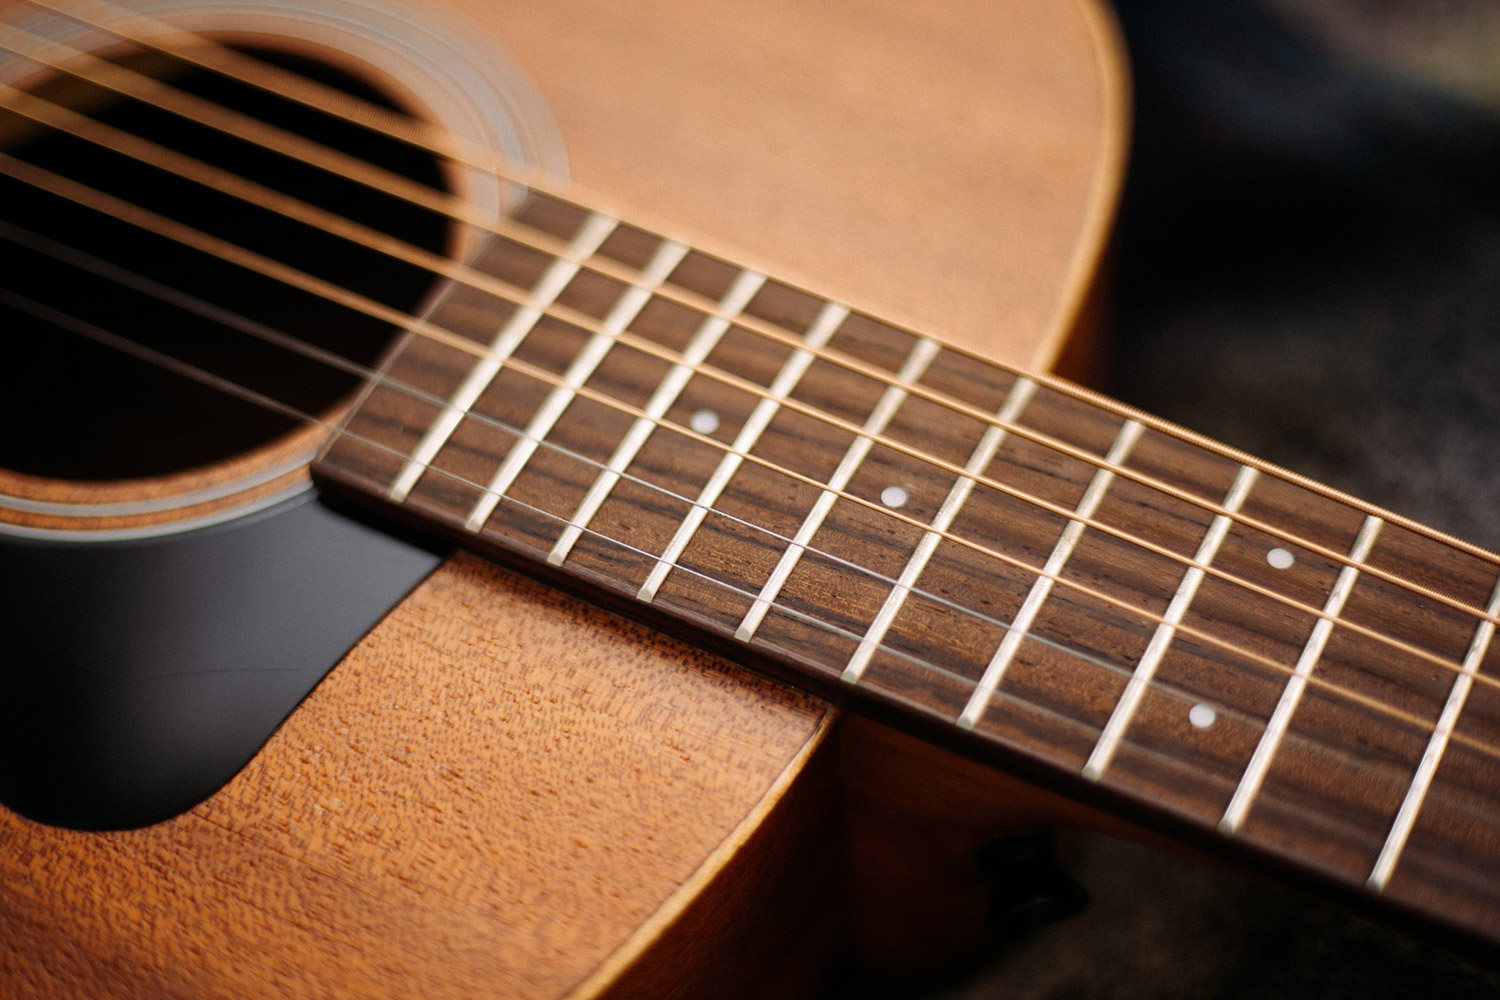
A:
<point x="63" y="505"/>
<point x="486" y="798"/>
<point x="936" y="163"/>
<point x="953" y="168"/>
<point x="497" y="790"/>
<point x="1160" y="604"/>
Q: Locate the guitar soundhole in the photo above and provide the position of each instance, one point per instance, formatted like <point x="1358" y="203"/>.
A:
<point x="76" y="408"/>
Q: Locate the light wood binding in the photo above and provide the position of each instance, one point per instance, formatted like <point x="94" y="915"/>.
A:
<point x="385" y="842"/>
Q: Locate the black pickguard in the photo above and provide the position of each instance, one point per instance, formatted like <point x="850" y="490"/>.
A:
<point x="138" y="677"/>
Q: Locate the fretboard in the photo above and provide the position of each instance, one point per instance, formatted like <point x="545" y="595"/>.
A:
<point x="996" y="560"/>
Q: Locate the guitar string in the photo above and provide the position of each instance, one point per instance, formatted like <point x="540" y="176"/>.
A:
<point x="157" y="224"/>
<point x="217" y="117"/>
<point x="1064" y="513"/>
<point x="162" y="158"/>
<point x="206" y="52"/>
<point x="195" y="171"/>
<point x="210" y="54"/>
<point x="1110" y="405"/>
<point x="1384" y="771"/>
<point x="238" y="255"/>
<point x="221" y="315"/>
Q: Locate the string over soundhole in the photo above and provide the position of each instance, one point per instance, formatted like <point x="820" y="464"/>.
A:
<point x="77" y="267"/>
<point x="157" y="190"/>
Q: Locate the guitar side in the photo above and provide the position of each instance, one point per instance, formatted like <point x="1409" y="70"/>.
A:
<point x="504" y="790"/>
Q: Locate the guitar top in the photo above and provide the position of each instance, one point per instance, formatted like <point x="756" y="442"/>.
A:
<point x="501" y="791"/>
<point x="622" y="386"/>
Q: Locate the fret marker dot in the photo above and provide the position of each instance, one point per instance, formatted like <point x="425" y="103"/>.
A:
<point x="704" y="421"/>
<point x="1280" y="558"/>
<point x="893" y="496"/>
<point x="1202" y="715"/>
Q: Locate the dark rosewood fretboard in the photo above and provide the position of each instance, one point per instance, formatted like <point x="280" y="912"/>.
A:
<point x="1037" y="573"/>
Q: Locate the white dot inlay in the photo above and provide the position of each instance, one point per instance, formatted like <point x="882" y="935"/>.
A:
<point x="1202" y="715"/>
<point x="893" y="496"/>
<point x="704" y="421"/>
<point x="1280" y="558"/>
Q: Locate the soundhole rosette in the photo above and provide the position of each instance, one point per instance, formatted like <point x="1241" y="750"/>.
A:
<point x="430" y="68"/>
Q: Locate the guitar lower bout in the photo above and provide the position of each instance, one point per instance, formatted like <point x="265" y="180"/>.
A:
<point x="500" y="790"/>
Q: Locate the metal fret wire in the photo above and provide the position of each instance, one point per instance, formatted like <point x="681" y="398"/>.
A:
<point x="1421" y="784"/>
<point x="280" y="272"/>
<point x="274" y="201"/>
<point x="1145" y="670"/>
<point x="246" y="128"/>
<point x="1490" y="612"/>
<point x="124" y="345"/>
<point x="291" y="276"/>
<point x="218" y="314"/>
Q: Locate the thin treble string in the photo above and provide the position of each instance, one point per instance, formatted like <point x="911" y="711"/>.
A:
<point x="238" y="255"/>
<point x="1064" y="387"/>
<point x="209" y="54"/>
<point x="233" y="320"/>
<point x="443" y="266"/>
<point x="188" y="370"/>
<point x="193" y="170"/>
<point x="352" y="109"/>
<point x="214" y="116"/>
<point x="549" y="378"/>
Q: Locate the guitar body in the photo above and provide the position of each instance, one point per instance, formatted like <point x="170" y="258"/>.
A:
<point x="502" y="791"/>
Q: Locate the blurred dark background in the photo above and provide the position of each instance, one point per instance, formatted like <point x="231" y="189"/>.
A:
<point x="1309" y="245"/>
<point x="1308" y="268"/>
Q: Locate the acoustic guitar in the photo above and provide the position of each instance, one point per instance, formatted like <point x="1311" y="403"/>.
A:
<point x="334" y="384"/>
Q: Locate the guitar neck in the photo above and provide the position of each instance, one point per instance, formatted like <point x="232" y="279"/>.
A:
<point x="997" y="560"/>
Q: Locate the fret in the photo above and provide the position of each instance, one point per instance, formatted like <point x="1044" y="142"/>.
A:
<point x="1285" y="568"/>
<point x="708" y="278"/>
<point x="785" y="308"/>
<point x="1237" y="650"/>
<point x="881" y="347"/>
<point x="1153" y="515"/>
<point x="963" y="378"/>
<point x="1218" y="683"/>
<point x="740" y="538"/>
<point x="1422" y="781"/>
<point x="632" y="246"/>
<point x="1199" y="645"/>
<point x="1390" y="853"/>
<point x="788" y="470"/>
<point x="922" y="353"/>
<point x="994" y="672"/>
<point x="978" y="575"/>
<point x="1447" y="865"/>
<point x="654" y="495"/>
<point x="520" y="324"/>
<point x="1184" y="466"/>
<point x="786" y="380"/>
<point x="984" y="452"/>
<point x="1265" y="750"/>
<point x="698" y="349"/>
<point x="630" y="303"/>
<point x="1426" y="621"/>
<point x="1354" y="745"/>
<point x="1145" y="670"/>
<point x="1307" y="519"/>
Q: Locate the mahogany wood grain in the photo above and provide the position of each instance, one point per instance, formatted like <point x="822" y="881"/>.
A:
<point x="491" y="794"/>
<point x="823" y="142"/>
<point x="394" y="835"/>
<point x="1292" y="710"/>
<point x="956" y="165"/>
